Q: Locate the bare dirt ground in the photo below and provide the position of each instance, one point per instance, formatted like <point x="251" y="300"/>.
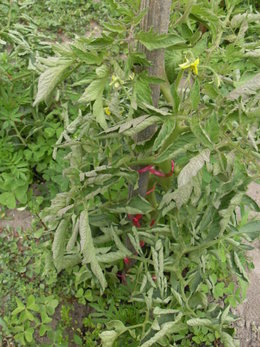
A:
<point x="16" y="219"/>
<point x="248" y="326"/>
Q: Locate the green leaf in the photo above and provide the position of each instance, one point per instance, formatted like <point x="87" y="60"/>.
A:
<point x="162" y="311"/>
<point x="31" y="304"/>
<point x="93" y="91"/>
<point x="30" y="300"/>
<point x="141" y="126"/>
<point x="20" y="338"/>
<point x="21" y="193"/>
<point x="206" y="16"/>
<point x="89" y="58"/>
<point x="198" y="322"/>
<point x="108" y="338"/>
<point x="165" y="329"/>
<point x="20" y="306"/>
<point x="100" y="42"/>
<point x="218" y="290"/>
<point x="142" y="90"/>
<point x="116" y="27"/>
<point x="78" y="340"/>
<point x="88" y="295"/>
<point x="192" y="168"/>
<point x="45" y="318"/>
<point x="240" y="266"/>
<point x="53" y="303"/>
<point x="119" y="244"/>
<point x="58" y="246"/>
<point x="73" y="238"/>
<point x="71" y="260"/>
<point x="140" y="204"/>
<point x="111" y="257"/>
<point x="8" y="199"/>
<point x="19" y="302"/>
<point x="137" y="18"/>
<point x="212" y="128"/>
<point x="251" y="229"/>
<point x="227" y="213"/>
<point x="180" y="196"/>
<point x="126" y="125"/>
<point x="238" y="19"/>
<point x="86" y="242"/>
<point x="248" y="88"/>
<point x="227" y="340"/>
<point x="18" y="310"/>
<point x="4" y="325"/>
<point x="177" y="296"/>
<point x="195" y="94"/>
<point x="43" y="329"/>
<point x="50" y="78"/>
<point x="158" y="111"/>
<point x="98" y="112"/>
<point x="102" y="71"/>
<point x="200" y="133"/>
<point x="79" y="293"/>
<point x="28" y="315"/>
<point x="29" y="334"/>
<point x="88" y="249"/>
<point x="251" y="203"/>
<point x="152" y="40"/>
<point x="164" y="133"/>
<point x="225" y="314"/>
<point x="136" y="205"/>
<point x="180" y="146"/>
<point x="253" y="54"/>
<point x="117" y="325"/>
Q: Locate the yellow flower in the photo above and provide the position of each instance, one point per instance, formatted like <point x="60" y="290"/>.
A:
<point x="132" y="76"/>
<point x="193" y="65"/>
<point x="116" y="81"/>
<point x="107" y="111"/>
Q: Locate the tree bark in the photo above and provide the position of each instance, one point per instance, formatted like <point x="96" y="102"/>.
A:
<point x="157" y="18"/>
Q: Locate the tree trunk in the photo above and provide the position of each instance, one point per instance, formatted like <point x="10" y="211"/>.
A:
<point x="157" y="18"/>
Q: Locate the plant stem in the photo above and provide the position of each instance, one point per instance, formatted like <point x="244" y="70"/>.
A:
<point x="19" y="135"/>
<point x="219" y="36"/>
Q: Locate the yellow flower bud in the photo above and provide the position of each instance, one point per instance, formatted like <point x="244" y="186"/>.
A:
<point x="107" y="111"/>
<point x="192" y="65"/>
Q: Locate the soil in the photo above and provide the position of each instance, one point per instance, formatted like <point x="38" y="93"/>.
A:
<point x="75" y="323"/>
<point x="248" y="325"/>
<point x="15" y="219"/>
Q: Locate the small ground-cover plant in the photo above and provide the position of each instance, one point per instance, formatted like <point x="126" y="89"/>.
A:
<point x="27" y="134"/>
<point x="26" y="302"/>
<point x="179" y="242"/>
<point x="30" y="292"/>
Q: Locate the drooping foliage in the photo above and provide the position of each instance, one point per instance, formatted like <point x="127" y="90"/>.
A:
<point x="182" y="243"/>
